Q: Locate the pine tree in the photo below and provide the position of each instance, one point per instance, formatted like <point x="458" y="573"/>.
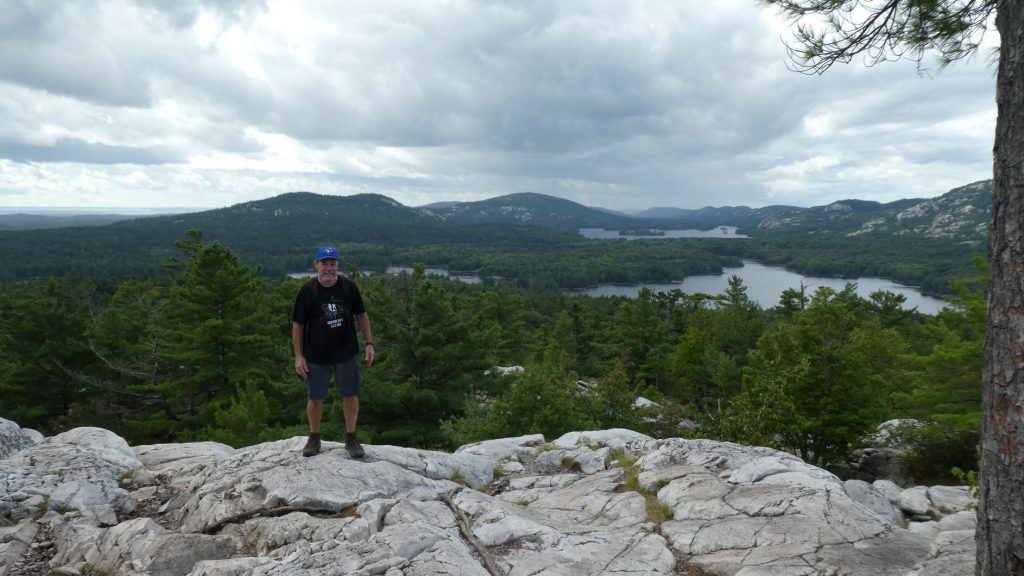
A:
<point x="44" y="342"/>
<point x="124" y="339"/>
<point x="643" y="331"/>
<point x="437" y="354"/>
<point x="218" y="331"/>
<point x="245" y="420"/>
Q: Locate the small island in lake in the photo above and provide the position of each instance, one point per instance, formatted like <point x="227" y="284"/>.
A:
<point x="641" y="232"/>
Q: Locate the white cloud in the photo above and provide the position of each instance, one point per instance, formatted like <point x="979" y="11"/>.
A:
<point x="636" y="104"/>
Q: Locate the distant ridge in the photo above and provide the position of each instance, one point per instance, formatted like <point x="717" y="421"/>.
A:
<point x="440" y="205"/>
<point x="534" y="209"/>
<point x="276" y="233"/>
<point x="33" y="218"/>
<point x="26" y="221"/>
<point x="739" y="216"/>
<point x="961" y="214"/>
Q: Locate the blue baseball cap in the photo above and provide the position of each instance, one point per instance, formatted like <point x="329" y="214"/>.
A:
<point x="327" y="253"/>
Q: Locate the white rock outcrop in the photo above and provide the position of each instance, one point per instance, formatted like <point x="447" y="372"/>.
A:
<point x="585" y="503"/>
<point x="14" y="438"/>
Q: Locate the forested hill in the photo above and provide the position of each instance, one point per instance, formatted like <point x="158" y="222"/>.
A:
<point x="29" y="221"/>
<point x="530" y="236"/>
<point x="276" y="233"/>
<point x="962" y="215"/>
<point x="538" y="210"/>
<point x="742" y="217"/>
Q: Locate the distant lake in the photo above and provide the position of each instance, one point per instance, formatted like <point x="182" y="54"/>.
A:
<point x="464" y="278"/>
<point x="717" y="232"/>
<point x="395" y="270"/>
<point x="766" y="283"/>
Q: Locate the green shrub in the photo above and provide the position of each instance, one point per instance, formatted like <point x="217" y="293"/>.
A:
<point x="935" y="450"/>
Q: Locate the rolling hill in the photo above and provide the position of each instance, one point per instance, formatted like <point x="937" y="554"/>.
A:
<point x="277" y="234"/>
<point x="532" y="209"/>
<point x="961" y="215"/>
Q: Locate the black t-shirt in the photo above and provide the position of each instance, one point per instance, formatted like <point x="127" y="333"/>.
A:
<point x="328" y="315"/>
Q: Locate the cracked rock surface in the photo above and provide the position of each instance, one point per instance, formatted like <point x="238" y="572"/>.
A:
<point x="86" y="502"/>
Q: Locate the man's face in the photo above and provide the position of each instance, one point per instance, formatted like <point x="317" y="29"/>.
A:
<point x="327" y="270"/>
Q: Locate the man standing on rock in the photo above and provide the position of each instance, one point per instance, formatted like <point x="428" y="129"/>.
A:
<point x="324" y="319"/>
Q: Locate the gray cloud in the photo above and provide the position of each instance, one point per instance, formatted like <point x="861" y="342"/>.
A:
<point x="53" y="46"/>
<point x="185" y="13"/>
<point x="662" y="102"/>
<point x="74" y="150"/>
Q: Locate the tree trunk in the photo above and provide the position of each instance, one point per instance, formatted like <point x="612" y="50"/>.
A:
<point x="1001" y="506"/>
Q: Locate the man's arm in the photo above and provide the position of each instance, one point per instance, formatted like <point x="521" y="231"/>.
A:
<point x="300" y="361"/>
<point x="363" y="320"/>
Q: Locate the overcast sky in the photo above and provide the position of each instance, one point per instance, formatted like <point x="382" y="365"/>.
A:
<point x="610" y="103"/>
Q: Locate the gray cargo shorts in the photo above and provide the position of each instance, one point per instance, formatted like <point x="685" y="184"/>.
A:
<point x="347" y="375"/>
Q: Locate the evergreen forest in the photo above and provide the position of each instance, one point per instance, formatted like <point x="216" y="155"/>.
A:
<point x="203" y="352"/>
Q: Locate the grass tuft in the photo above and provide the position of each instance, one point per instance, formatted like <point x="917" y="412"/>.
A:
<point x="657" y="511"/>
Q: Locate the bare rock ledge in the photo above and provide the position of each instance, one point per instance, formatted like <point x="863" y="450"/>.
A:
<point x="85" y="502"/>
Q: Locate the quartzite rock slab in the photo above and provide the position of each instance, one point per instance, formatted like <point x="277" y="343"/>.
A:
<point x="265" y="478"/>
<point x="567" y="508"/>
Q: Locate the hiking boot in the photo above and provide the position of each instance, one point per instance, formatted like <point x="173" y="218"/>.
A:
<point x="355" y="449"/>
<point x="312" y="445"/>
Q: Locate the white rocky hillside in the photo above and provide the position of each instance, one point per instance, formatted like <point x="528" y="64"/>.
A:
<point x="85" y="502"/>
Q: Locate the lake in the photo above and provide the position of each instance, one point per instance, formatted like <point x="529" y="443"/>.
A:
<point x="766" y="283"/>
<point x="464" y="278"/>
<point x="395" y="270"/>
<point x="716" y="232"/>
